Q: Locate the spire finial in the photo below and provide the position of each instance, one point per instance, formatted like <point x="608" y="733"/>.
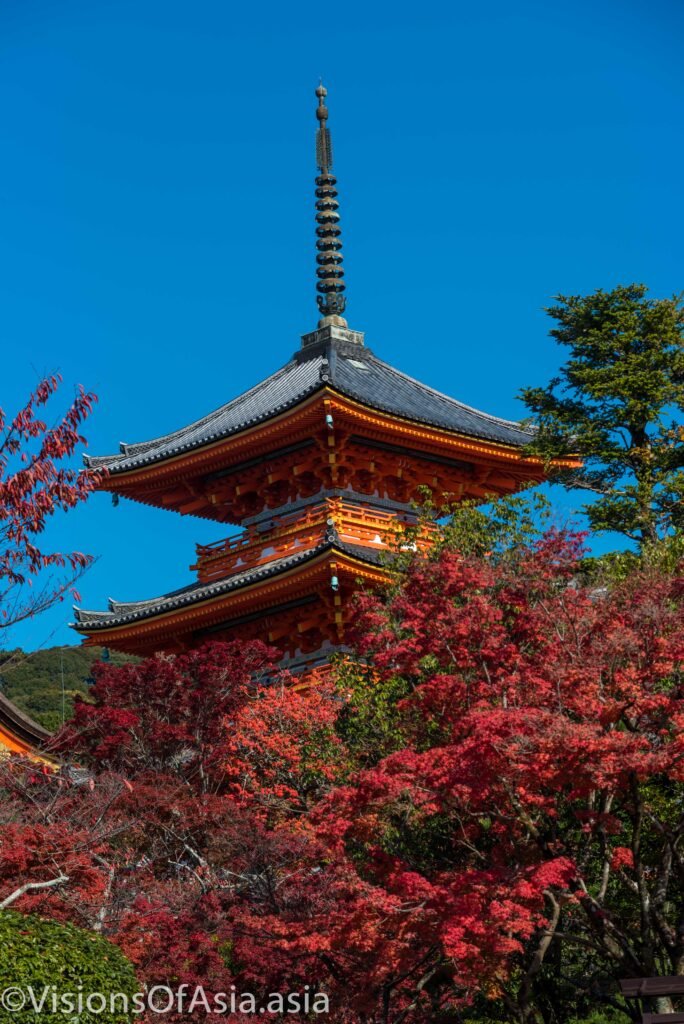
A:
<point x="330" y="285"/>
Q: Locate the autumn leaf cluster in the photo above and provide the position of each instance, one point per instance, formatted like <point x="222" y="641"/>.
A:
<point x="483" y="807"/>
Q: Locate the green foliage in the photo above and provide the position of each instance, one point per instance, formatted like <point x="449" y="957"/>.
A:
<point x="33" y="680"/>
<point x="370" y="723"/>
<point x="497" y="529"/>
<point x="485" y="1011"/>
<point x="494" y="529"/>
<point x="615" y="404"/>
<point x="38" y="953"/>
<point x="664" y="556"/>
<point x="424" y="842"/>
<point x="604" y="1016"/>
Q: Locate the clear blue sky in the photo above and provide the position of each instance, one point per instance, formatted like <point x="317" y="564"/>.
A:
<point x="156" y="194"/>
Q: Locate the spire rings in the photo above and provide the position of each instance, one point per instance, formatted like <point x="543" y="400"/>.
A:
<point x="329" y="271"/>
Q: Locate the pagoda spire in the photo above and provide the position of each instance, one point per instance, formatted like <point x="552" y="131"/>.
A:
<point x="330" y="273"/>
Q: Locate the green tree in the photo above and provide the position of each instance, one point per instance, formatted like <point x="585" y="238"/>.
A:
<point x="615" y="403"/>
<point x="43" y="684"/>
<point x="37" y="954"/>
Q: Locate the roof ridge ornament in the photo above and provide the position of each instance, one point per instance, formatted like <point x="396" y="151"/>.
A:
<point x="330" y="273"/>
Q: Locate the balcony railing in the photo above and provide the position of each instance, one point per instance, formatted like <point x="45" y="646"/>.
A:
<point x="296" y="531"/>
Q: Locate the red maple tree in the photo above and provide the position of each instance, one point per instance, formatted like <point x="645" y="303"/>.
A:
<point x="35" y="484"/>
<point x="528" y="823"/>
<point x="187" y="814"/>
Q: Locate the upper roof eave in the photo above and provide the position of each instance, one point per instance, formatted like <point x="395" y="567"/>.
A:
<point x="357" y="375"/>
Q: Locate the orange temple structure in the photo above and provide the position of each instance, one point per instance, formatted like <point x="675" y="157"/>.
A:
<point x="19" y="734"/>
<point x="320" y="464"/>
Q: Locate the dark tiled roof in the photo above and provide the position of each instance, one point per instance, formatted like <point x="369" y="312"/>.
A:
<point x="377" y="384"/>
<point x="20" y="725"/>
<point x="121" y="613"/>
<point x="352" y="370"/>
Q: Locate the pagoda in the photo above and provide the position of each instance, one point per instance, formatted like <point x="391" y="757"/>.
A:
<point x="320" y="465"/>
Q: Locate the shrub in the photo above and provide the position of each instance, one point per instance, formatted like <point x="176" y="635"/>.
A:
<point x="52" y="960"/>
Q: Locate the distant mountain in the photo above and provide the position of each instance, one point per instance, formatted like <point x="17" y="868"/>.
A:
<point x="33" y="679"/>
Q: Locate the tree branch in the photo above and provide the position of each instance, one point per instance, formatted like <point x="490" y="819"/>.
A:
<point x="32" y="887"/>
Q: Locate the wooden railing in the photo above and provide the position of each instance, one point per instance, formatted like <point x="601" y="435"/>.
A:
<point x="651" y="988"/>
<point x="296" y="531"/>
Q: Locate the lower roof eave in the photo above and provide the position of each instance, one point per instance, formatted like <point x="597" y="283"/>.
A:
<point x="197" y="608"/>
<point x="20" y="728"/>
